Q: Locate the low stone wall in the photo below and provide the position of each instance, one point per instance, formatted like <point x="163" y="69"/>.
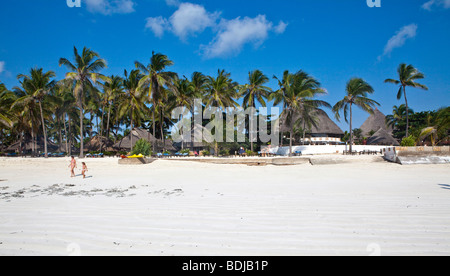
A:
<point x="249" y="161"/>
<point x="136" y="161"/>
<point x="418" y="155"/>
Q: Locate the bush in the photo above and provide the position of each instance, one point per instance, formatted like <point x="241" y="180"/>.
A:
<point x="250" y="153"/>
<point x="142" y="147"/>
<point x="206" y="153"/>
<point x="224" y="152"/>
<point x="183" y="151"/>
<point x="408" y="141"/>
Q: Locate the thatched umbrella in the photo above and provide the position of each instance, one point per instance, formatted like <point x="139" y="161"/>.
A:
<point x="99" y="143"/>
<point x="383" y="138"/>
<point x="376" y="121"/>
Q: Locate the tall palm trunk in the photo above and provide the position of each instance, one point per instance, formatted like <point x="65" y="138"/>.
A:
<point x="21" y="144"/>
<point x="351" y="130"/>
<point x="131" y="133"/>
<point x="192" y="129"/>
<point x="250" y="125"/>
<point x="101" y="128"/>
<point x="154" y="127"/>
<point x="304" y="131"/>
<point x="407" y="112"/>
<point x="66" y="133"/>
<point x="80" y="105"/>
<point x="163" y="139"/>
<point x="69" y="137"/>
<point x="107" y="122"/>
<point x="60" y="133"/>
<point x="290" y="140"/>
<point x="32" y="141"/>
<point x="43" y="130"/>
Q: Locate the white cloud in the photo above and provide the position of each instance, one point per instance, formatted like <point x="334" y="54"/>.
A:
<point x="191" y="19"/>
<point x="175" y="3"/>
<point x="427" y="6"/>
<point x="234" y="34"/>
<point x="280" y="28"/>
<point x="436" y="3"/>
<point x="399" y="39"/>
<point x="188" y="20"/>
<point x="158" y="25"/>
<point x="2" y="66"/>
<point x="108" y="7"/>
<point x="231" y="35"/>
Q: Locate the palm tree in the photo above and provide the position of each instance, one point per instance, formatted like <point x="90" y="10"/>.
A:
<point x="357" y="94"/>
<point x="6" y="100"/>
<point x="112" y="87"/>
<point x="182" y="96"/>
<point x="64" y="103"/>
<point x="27" y="112"/>
<point x="39" y="85"/>
<point x="254" y="91"/>
<point x="155" y="78"/>
<point x="132" y="101"/>
<point x="220" y="92"/>
<point x="198" y="83"/>
<point x="407" y="75"/>
<point x="299" y="92"/>
<point x="84" y="74"/>
<point x="398" y="118"/>
<point x="307" y="120"/>
<point x="279" y="95"/>
<point x="438" y="126"/>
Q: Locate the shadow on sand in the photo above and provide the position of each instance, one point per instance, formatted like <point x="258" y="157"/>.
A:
<point x="445" y="186"/>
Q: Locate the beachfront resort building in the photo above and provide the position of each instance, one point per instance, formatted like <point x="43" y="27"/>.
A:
<point x="324" y="132"/>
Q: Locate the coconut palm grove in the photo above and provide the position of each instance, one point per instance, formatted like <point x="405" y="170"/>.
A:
<point x="85" y="104"/>
<point x="43" y="112"/>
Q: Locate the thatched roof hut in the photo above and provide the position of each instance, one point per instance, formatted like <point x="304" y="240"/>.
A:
<point x="382" y="138"/>
<point x="137" y="133"/>
<point x="99" y="143"/>
<point x="324" y="127"/>
<point x="376" y="121"/>
<point x="197" y="131"/>
<point x="28" y="146"/>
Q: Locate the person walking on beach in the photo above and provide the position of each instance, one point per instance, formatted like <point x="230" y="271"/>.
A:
<point x="72" y="166"/>
<point x="84" y="169"/>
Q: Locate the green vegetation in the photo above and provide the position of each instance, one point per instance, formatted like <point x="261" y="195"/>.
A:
<point x="69" y="112"/>
<point x="142" y="147"/>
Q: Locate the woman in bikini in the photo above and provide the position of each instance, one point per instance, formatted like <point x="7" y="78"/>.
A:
<point x="72" y="166"/>
<point x="84" y="169"/>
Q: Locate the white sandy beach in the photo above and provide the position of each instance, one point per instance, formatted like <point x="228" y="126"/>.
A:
<point x="187" y="208"/>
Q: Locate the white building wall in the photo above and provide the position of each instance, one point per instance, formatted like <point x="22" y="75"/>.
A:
<point x="325" y="149"/>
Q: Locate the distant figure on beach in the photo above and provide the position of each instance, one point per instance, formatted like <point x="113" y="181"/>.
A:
<point x="241" y="151"/>
<point x="84" y="169"/>
<point x="72" y="166"/>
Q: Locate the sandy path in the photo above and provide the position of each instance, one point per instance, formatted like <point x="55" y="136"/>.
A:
<point x="186" y="208"/>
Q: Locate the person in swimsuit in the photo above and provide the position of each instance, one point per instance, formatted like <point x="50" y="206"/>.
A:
<point x="84" y="169"/>
<point x="72" y="166"/>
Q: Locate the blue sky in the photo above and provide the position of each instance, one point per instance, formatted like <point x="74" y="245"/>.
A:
<point x="332" y="40"/>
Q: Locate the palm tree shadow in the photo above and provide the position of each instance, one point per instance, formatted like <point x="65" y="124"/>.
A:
<point x="445" y="186"/>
